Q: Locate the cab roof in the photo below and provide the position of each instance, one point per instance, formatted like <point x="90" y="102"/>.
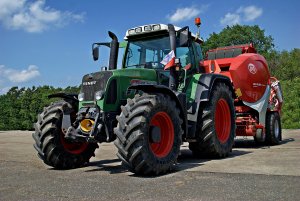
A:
<point x="152" y="28"/>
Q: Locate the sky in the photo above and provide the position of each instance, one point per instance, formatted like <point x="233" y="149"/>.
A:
<point x="48" y="42"/>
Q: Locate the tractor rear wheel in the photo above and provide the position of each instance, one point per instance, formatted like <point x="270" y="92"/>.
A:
<point x="273" y="128"/>
<point x="51" y="145"/>
<point x="149" y="134"/>
<point x="215" y="124"/>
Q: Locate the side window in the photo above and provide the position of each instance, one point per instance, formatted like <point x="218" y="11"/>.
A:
<point x="133" y="55"/>
<point x="199" y="55"/>
<point x="183" y="53"/>
<point x="151" y="55"/>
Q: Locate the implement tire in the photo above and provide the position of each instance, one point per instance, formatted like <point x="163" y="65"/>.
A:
<point x="216" y="125"/>
<point x="149" y="134"/>
<point x="50" y="143"/>
<point x="273" y="128"/>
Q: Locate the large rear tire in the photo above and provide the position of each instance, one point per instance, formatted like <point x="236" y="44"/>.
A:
<point x="215" y="125"/>
<point x="273" y="128"/>
<point x="149" y="134"/>
<point x="51" y="145"/>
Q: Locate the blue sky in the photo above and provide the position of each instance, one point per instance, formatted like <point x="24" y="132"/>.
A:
<point x="48" y="42"/>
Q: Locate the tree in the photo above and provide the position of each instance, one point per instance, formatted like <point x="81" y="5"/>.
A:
<point x="240" y="34"/>
<point x="19" y="107"/>
<point x="284" y="65"/>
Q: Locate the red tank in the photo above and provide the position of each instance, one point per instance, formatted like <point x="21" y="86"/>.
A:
<point x="247" y="70"/>
<point x="249" y="73"/>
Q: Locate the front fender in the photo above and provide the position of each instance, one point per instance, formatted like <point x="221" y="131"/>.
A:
<point x="62" y="95"/>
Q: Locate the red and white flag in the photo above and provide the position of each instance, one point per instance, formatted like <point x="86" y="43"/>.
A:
<point x="169" y="60"/>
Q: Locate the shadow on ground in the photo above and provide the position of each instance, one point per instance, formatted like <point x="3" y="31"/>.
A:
<point x="108" y="165"/>
<point x="186" y="159"/>
<point x="249" y="143"/>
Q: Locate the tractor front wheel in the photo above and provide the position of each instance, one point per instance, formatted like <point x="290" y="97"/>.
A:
<point x="149" y="134"/>
<point x="51" y="144"/>
<point x="215" y="124"/>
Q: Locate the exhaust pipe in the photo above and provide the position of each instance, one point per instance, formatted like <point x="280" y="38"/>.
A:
<point x="173" y="76"/>
<point x="114" y="50"/>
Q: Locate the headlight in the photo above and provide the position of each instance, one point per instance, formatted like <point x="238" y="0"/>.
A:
<point x="156" y="27"/>
<point x="138" y="30"/>
<point x="131" y="32"/>
<point x="99" y="95"/>
<point x="81" y="96"/>
<point x="148" y="28"/>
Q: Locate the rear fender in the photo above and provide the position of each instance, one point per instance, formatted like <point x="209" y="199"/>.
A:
<point x="204" y="88"/>
<point x="180" y="98"/>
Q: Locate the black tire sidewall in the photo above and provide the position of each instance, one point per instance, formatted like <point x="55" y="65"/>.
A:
<point x="271" y="138"/>
<point x="216" y="96"/>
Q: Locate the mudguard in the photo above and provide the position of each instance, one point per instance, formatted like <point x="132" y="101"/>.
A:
<point x="203" y="92"/>
<point x="73" y="97"/>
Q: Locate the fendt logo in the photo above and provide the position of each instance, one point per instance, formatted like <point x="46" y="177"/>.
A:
<point x="252" y="69"/>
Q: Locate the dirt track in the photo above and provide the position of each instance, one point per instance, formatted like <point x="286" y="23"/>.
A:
<point x="250" y="173"/>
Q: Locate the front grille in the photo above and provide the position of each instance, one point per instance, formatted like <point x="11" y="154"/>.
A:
<point x="112" y="91"/>
<point x="94" y="82"/>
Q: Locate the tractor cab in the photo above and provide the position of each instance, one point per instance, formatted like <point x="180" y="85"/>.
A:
<point x="149" y="45"/>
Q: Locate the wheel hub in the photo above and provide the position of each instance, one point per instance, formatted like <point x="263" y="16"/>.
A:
<point x="222" y="120"/>
<point x="161" y="134"/>
<point x="155" y="134"/>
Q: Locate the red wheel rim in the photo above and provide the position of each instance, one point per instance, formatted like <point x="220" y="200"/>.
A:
<point x="165" y="124"/>
<point x="222" y="120"/>
<point x="73" y="148"/>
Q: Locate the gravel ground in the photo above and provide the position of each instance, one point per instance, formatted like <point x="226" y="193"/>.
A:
<point x="251" y="172"/>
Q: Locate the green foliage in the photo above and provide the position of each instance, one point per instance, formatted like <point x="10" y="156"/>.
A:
<point x="291" y="104"/>
<point x="240" y="34"/>
<point x="284" y="65"/>
<point x="19" y="107"/>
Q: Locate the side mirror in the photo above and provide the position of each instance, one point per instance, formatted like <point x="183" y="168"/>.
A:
<point x="184" y="37"/>
<point x="96" y="53"/>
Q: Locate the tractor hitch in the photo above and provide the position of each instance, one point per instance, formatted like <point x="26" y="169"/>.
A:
<point x="86" y="126"/>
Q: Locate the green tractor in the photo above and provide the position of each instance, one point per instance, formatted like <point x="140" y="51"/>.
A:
<point x="156" y="101"/>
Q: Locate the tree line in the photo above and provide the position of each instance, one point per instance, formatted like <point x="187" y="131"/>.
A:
<point x="19" y="106"/>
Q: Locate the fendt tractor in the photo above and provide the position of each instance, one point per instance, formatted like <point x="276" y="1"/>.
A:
<point x="165" y="93"/>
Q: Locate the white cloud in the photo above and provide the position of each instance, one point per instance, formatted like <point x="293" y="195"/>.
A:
<point x="34" y="16"/>
<point x="250" y="13"/>
<point x="18" y="76"/>
<point x="182" y="14"/>
<point x="230" y="19"/>
<point x="243" y="14"/>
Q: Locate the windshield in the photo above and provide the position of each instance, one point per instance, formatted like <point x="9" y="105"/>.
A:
<point x="147" y="53"/>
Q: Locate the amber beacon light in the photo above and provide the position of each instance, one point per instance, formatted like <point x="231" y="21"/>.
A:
<point x="197" y="21"/>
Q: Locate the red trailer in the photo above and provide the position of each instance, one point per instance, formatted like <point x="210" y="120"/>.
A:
<point x="258" y="95"/>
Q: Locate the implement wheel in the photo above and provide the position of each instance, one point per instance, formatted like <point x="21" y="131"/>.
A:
<point x="273" y="128"/>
